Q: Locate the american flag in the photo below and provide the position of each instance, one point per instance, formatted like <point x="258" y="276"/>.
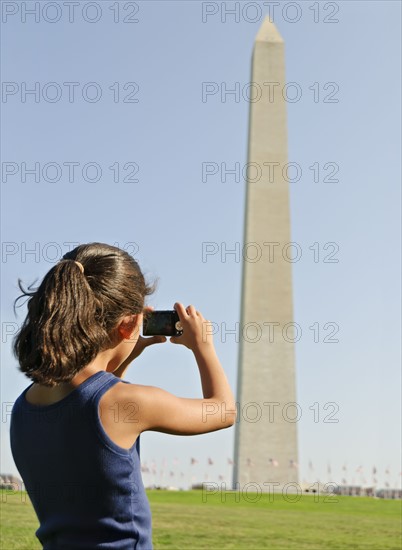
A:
<point x="210" y="461"/>
<point x="193" y="461"/>
<point x="273" y="462"/>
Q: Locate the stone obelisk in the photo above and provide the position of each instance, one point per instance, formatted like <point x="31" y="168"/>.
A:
<point x="266" y="430"/>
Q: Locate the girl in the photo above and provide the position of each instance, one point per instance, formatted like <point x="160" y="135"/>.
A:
<point x="75" y="431"/>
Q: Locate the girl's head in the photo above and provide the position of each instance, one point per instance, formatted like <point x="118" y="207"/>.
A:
<point x="73" y="315"/>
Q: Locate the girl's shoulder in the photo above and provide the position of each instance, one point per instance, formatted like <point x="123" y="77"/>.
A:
<point x="123" y="392"/>
<point x="119" y="413"/>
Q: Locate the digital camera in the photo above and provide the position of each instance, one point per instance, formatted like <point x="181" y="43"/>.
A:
<point x="164" y="323"/>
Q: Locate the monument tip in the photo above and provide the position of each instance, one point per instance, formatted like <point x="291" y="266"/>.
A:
<point x="268" y="32"/>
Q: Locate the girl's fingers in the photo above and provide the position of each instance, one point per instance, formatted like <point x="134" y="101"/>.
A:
<point x="191" y="310"/>
<point x="158" y="339"/>
<point x="152" y="339"/>
<point x="181" y="311"/>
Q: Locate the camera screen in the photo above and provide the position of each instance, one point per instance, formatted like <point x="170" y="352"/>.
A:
<point x="160" y="322"/>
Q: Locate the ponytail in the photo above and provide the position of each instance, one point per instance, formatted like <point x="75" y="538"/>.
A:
<point x="72" y="313"/>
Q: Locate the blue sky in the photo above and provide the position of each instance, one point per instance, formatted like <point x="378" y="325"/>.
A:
<point x="162" y="140"/>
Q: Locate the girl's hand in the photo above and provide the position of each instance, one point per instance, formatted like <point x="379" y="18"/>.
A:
<point x="143" y="343"/>
<point x="197" y="331"/>
<point x="139" y="347"/>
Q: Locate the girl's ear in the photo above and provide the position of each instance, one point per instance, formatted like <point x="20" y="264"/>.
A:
<point x="128" y="325"/>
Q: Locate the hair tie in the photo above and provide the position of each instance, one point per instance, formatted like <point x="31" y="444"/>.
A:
<point x="79" y="265"/>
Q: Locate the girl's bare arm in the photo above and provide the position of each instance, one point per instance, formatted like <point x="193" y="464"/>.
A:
<point x="159" y="410"/>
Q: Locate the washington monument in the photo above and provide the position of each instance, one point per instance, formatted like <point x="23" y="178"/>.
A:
<point x="266" y="432"/>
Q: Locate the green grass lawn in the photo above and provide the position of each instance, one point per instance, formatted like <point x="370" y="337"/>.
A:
<point x="193" y="519"/>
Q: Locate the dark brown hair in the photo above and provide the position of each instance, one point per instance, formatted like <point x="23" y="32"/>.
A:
<point x="72" y="313"/>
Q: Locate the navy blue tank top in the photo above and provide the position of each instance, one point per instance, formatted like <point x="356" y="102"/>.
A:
<point x="86" y="490"/>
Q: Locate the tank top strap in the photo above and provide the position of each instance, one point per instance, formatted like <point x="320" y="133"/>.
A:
<point x="102" y="382"/>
